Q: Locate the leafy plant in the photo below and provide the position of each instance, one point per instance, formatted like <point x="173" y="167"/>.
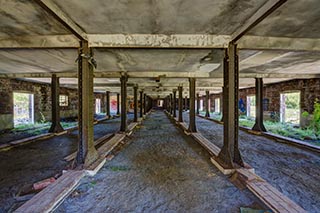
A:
<point x="305" y="114"/>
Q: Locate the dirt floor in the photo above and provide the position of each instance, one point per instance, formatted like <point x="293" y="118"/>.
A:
<point x="162" y="170"/>
<point x="294" y="172"/>
<point x="39" y="160"/>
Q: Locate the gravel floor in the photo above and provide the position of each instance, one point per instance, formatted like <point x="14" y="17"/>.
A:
<point x="162" y="170"/>
<point x="39" y="160"/>
<point x="294" y="172"/>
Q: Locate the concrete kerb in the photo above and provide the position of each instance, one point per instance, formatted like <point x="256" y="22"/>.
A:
<point x="20" y="142"/>
<point x="246" y="176"/>
<point x="276" y="138"/>
<point x="34" y="205"/>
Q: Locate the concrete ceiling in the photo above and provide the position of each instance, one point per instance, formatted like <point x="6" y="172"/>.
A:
<point x="147" y="24"/>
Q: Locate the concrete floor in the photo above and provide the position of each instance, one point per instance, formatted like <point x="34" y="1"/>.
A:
<point x="39" y="160"/>
<point x="294" y="172"/>
<point x="162" y="170"/>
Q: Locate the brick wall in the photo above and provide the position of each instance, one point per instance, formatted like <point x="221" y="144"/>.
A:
<point x="42" y="100"/>
<point x="309" y="91"/>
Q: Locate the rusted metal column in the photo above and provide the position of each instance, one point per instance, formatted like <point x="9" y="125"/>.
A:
<point x="180" y="117"/>
<point x="108" y="104"/>
<point x="174" y="103"/>
<point x="198" y="104"/>
<point x="192" y="110"/>
<point x="144" y="104"/>
<point x="87" y="153"/>
<point x="223" y="100"/>
<point x="230" y="153"/>
<point x="135" y="103"/>
<point x="186" y="103"/>
<point x="118" y="103"/>
<point x="123" y="81"/>
<point x="141" y="103"/>
<point x="171" y="104"/>
<point x="55" y="108"/>
<point x="259" y="126"/>
<point x="207" y="104"/>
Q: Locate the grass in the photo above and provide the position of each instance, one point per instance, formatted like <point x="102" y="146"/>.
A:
<point x="39" y="128"/>
<point x="285" y="129"/>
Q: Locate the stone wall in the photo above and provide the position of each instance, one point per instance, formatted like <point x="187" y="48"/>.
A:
<point x="42" y="101"/>
<point x="309" y="91"/>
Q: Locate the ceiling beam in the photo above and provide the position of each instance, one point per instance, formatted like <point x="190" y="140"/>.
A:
<point x="142" y="75"/>
<point x="39" y="42"/>
<point x="279" y="43"/>
<point x="256" y="18"/>
<point x="63" y="18"/>
<point x="158" y="41"/>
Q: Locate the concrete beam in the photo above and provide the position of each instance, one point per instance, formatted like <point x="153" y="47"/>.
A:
<point x="158" y="41"/>
<point x="279" y="43"/>
<point x="63" y="18"/>
<point x="256" y="18"/>
<point x="151" y="74"/>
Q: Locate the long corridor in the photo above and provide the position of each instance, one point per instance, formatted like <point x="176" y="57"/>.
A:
<point x="293" y="171"/>
<point x="161" y="170"/>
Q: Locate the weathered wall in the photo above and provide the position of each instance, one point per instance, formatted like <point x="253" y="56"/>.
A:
<point x="309" y="91"/>
<point x="42" y="101"/>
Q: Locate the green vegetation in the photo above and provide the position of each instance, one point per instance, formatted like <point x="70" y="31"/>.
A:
<point x="39" y="128"/>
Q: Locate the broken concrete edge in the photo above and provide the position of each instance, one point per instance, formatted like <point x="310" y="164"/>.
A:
<point x="12" y="144"/>
<point x="50" y="197"/>
<point x="277" y="138"/>
<point x="248" y="172"/>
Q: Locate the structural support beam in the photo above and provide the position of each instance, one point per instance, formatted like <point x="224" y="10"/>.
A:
<point x="171" y="104"/>
<point x="198" y="104"/>
<point x="207" y="104"/>
<point x="259" y="126"/>
<point x="174" y="103"/>
<point x="186" y="102"/>
<point x="87" y="153"/>
<point x="141" y="103"/>
<point x="118" y="104"/>
<point x="108" y="104"/>
<point x="230" y="153"/>
<point x="63" y="18"/>
<point x="192" y="111"/>
<point x="55" y="108"/>
<point x="180" y="117"/>
<point x="223" y="102"/>
<point x="144" y="103"/>
<point x="256" y="18"/>
<point x="123" y="81"/>
<point x="135" y="103"/>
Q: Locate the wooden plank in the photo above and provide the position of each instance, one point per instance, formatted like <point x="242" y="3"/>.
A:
<point x="111" y="144"/>
<point x="213" y="149"/>
<point x="96" y="143"/>
<point x="47" y="199"/>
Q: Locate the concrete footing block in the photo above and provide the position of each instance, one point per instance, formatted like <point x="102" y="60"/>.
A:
<point x="221" y="169"/>
<point x="93" y="169"/>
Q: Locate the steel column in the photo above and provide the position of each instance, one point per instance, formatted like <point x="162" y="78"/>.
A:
<point x="186" y="103"/>
<point x="259" y="126"/>
<point x="123" y="80"/>
<point x="192" y="111"/>
<point x="141" y="104"/>
<point x="135" y="103"/>
<point x="230" y="153"/>
<point x="174" y="103"/>
<point x="171" y="104"/>
<point x="198" y="104"/>
<point x="207" y="104"/>
<point x="55" y="108"/>
<point x="118" y="103"/>
<point x="223" y="99"/>
<point x="108" y="104"/>
<point x="144" y="103"/>
<point x="87" y="153"/>
<point x="180" y="105"/>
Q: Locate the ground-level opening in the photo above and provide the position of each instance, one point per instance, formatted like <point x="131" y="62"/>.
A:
<point x="23" y="112"/>
<point x="160" y="103"/>
<point x="290" y="107"/>
<point x="251" y="106"/>
<point x="217" y="105"/>
<point x="98" y="105"/>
